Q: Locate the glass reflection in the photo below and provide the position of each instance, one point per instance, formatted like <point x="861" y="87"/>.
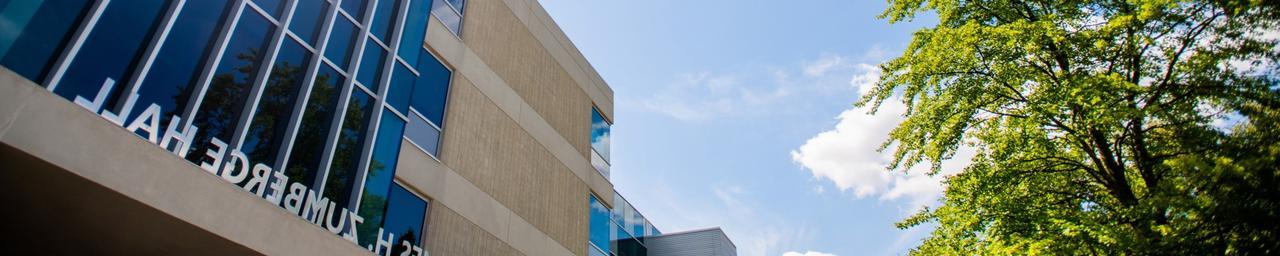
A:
<point x="275" y="107"/>
<point x="355" y="8"/>
<point x="176" y="69"/>
<point x="370" y="73"/>
<point x="341" y="39"/>
<point x="415" y="30"/>
<point x="381" y="25"/>
<point x="599" y="223"/>
<point x="401" y="88"/>
<point x="112" y="50"/>
<point x="34" y="32"/>
<point x="307" y="18"/>
<point x="225" y="98"/>
<point x="382" y="169"/>
<point x="313" y="131"/>
<point x="406" y="214"/>
<point x="346" y="155"/>
<point x="432" y="88"/>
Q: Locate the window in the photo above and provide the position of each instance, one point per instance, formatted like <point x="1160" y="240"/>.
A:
<point x="378" y="179"/>
<point x="275" y="106"/>
<point x="430" y="92"/>
<point x="224" y="100"/>
<point x="599" y="142"/>
<point x="111" y="50"/>
<point x="449" y="12"/>
<point x="600" y="223"/>
<point x="307" y="20"/>
<point x="319" y="115"/>
<point x="406" y="214"/>
<point x="36" y="32"/>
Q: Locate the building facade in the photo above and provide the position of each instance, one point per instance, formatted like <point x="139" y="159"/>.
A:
<point x="313" y="127"/>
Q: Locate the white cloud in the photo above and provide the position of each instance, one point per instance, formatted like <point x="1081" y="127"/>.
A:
<point x="807" y="253"/>
<point x="847" y="155"/>
<point x="824" y="64"/>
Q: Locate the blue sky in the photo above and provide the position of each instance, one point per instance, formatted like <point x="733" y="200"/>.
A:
<point x="738" y="114"/>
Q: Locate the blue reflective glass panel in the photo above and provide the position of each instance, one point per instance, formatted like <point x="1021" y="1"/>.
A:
<point x="401" y="88"/>
<point x="35" y="33"/>
<point x="275" y="106"/>
<point x="313" y="131"/>
<point x="432" y="88"/>
<point x="415" y="30"/>
<point x="423" y="134"/>
<point x="307" y="18"/>
<point x="382" y="170"/>
<point x="346" y="155"/>
<point x="355" y="8"/>
<point x="112" y="50"/>
<point x="273" y="7"/>
<point x="224" y="100"/>
<point x="598" y="218"/>
<point x="370" y="73"/>
<point x="599" y="134"/>
<point x="341" y="39"/>
<point x="406" y="214"/>
<point x="381" y="26"/>
<point x="177" y="66"/>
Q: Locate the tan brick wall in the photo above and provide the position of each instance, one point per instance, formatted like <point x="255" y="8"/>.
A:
<point x="507" y="46"/>
<point x="450" y="234"/>
<point x="489" y="149"/>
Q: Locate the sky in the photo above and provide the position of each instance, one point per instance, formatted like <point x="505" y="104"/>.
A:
<point x="739" y="114"/>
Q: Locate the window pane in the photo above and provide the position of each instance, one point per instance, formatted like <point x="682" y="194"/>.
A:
<point x="341" y="40"/>
<point x="423" y="134"/>
<point x="457" y="4"/>
<point x="112" y="49"/>
<point x="452" y="20"/>
<point x="346" y="155"/>
<point x="370" y="73"/>
<point x="275" y="107"/>
<point x="600" y="164"/>
<point x="177" y="66"/>
<point x="432" y="88"/>
<point x="401" y="88"/>
<point x="600" y="134"/>
<point x="307" y="18"/>
<point x="273" y="7"/>
<point x="35" y="32"/>
<point x="308" y="148"/>
<point x="406" y="214"/>
<point x="355" y="8"/>
<point x="598" y="218"/>
<point x="225" y="98"/>
<point x="382" y="169"/>
<point x="415" y="30"/>
<point x="381" y="25"/>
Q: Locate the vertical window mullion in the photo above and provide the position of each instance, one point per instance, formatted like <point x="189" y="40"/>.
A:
<point x="81" y="34"/>
<point x="263" y="74"/>
<point x="308" y="84"/>
<point x="151" y="51"/>
<point x="211" y="65"/>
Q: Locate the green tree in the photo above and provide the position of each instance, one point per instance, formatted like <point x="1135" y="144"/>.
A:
<point x="1094" y="125"/>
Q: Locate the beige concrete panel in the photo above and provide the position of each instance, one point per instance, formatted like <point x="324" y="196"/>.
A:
<point x="16" y="91"/>
<point x="512" y="51"/>
<point x="449" y="233"/>
<point x="472" y="70"/>
<point x="68" y="136"/>
<point x="502" y="158"/>
<point x="419" y="171"/>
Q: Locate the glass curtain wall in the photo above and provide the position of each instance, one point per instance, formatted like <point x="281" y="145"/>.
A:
<point x="322" y="91"/>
